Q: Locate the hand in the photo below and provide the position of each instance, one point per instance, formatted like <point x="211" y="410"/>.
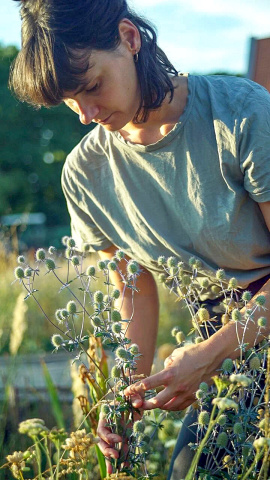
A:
<point x="107" y="442"/>
<point x="184" y="370"/>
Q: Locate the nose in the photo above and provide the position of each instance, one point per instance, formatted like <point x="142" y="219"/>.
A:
<point x="87" y="113"/>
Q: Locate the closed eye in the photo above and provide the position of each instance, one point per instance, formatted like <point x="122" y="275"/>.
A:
<point x="93" y="89"/>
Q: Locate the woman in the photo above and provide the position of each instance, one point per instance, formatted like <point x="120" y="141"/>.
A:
<point x="176" y="166"/>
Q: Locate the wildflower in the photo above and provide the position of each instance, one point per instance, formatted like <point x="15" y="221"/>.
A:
<point x="75" y="260"/>
<point x="233" y="283"/>
<point x="180" y="337"/>
<point x="105" y="409"/>
<point x="98" y="296"/>
<point x="116" y="316"/>
<point x="58" y="315"/>
<point x="227" y="460"/>
<point x="227" y="365"/>
<point x="68" y="252"/>
<point x="222" y="440"/>
<point x="90" y="271"/>
<point x="203" y="314"/>
<point x="21" y="259"/>
<point x="204" y="387"/>
<point x="115" y="293"/>
<point x="173" y="271"/>
<point x="70" y="242"/>
<point x="255" y="363"/>
<point x="71" y="307"/>
<point x="246" y="296"/>
<point x="50" y="264"/>
<point x="238" y="428"/>
<point x="119" y="254"/>
<point x="225" y="319"/>
<point x="134" y="349"/>
<point x="115" y="372"/>
<point x="262" y="322"/>
<point x="162" y="277"/>
<point x="40" y="254"/>
<point x="116" y="327"/>
<point x="86" y="247"/>
<point x="222" y="420"/>
<point x="174" y="331"/>
<point x="260" y="442"/>
<point x="64" y="313"/>
<point x="64" y="240"/>
<point x="19" y="273"/>
<point x="101" y="265"/>
<point x="51" y="250"/>
<point x="242" y="380"/>
<point x="198" y="340"/>
<point x="224" y="403"/>
<point x="192" y="262"/>
<point x="186" y="280"/>
<point x="205" y="282"/>
<point x="132" y="267"/>
<point x="120" y="476"/>
<point x="260" y="300"/>
<point x="17" y="461"/>
<point x="215" y="289"/>
<point x="96" y="322"/>
<point x="199" y="394"/>
<point x="57" y="340"/>
<point x="171" y="262"/>
<point x="161" y="260"/>
<point x="236" y="315"/>
<point x="203" y="418"/>
<point x="28" y="272"/>
<point x="112" y="266"/>
<point x="78" y="445"/>
<point x="138" y="427"/>
<point x="122" y="353"/>
<point x="220" y="274"/>
<point x="32" y="427"/>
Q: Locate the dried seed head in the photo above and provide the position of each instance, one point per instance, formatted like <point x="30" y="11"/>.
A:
<point x="96" y="322"/>
<point x="112" y="266"/>
<point x="117" y="328"/>
<point x="238" y="428"/>
<point x="64" y="313"/>
<point x="122" y="353"/>
<point x="28" y="272"/>
<point x="192" y="262"/>
<point x="86" y="247"/>
<point x="205" y="283"/>
<point x="58" y="315"/>
<point x="115" y="293"/>
<point x="40" y="254"/>
<point x="101" y="265"/>
<point x="233" y="283"/>
<point x="225" y="318"/>
<point x="119" y="254"/>
<point x="203" y="314"/>
<point x="222" y="420"/>
<point x="134" y="349"/>
<point x="199" y="394"/>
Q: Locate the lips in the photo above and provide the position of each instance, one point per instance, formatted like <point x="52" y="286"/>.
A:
<point x="103" y="122"/>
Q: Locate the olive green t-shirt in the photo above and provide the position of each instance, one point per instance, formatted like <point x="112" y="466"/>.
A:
<point x="192" y="193"/>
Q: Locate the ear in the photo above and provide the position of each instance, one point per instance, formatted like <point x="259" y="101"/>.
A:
<point x="129" y="35"/>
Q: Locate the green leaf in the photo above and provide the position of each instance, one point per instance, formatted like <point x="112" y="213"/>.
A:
<point x="54" y="398"/>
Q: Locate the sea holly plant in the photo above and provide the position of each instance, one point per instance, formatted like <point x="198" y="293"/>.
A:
<point x="88" y="323"/>
<point x="233" y="428"/>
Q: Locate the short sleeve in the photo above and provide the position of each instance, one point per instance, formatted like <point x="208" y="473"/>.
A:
<point x="254" y="143"/>
<point x="83" y="229"/>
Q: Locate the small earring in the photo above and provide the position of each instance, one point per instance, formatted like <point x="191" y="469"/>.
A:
<point x="136" y="57"/>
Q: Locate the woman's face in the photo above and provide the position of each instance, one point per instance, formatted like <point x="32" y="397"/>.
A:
<point x="111" y="96"/>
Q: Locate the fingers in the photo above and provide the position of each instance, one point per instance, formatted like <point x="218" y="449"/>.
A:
<point x="105" y="433"/>
<point x="161" y="378"/>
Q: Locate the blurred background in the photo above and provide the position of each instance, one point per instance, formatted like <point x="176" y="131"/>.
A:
<point x="209" y="37"/>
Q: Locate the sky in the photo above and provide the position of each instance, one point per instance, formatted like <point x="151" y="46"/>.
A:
<point x="198" y="36"/>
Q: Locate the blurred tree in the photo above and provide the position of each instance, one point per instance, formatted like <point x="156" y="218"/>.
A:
<point x="33" y="147"/>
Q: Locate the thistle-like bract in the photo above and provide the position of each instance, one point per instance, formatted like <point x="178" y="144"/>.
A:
<point x="28" y="272"/>
<point x="203" y="314"/>
<point x="222" y="420"/>
<point x="132" y="267"/>
<point x="101" y="265"/>
<point x="119" y="254"/>
<point x="96" y="322"/>
<point x="122" y="353"/>
<point x="220" y="274"/>
<point x="238" y="428"/>
<point x="134" y="349"/>
<point x="112" y="266"/>
<point x="180" y="337"/>
<point x="161" y="260"/>
<point x="171" y="262"/>
<point x="115" y="293"/>
<point x="246" y="296"/>
<point x="260" y="300"/>
<point x="51" y="250"/>
<point x="233" y="283"/>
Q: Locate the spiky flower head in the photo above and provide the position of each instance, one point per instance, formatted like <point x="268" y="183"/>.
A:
<point x="162" y="277"/>
<point x="260" y="300"/>
<point x="225" y="403"/>
<point x="240" y="379"/>
<point x="50" y="264"/>
<point x="71" y="242"/>
<point x="64" y="240"/>
<point x="75" y="260"/>
<point x="233" y="283"/>
<point x="203" y="418"/>
<point x="260" y="443"/>
<point x="198" y="340"/>
<point x="64" y="313"/>
<point x="222" y="440"/>
<point x="173" y="271"/>
<point x="116" y="316"/>
<point x="138" y="427"/>
<point x="215" y="289"/>
<point x="105" y="409"/>
<point x="117" y="328"/>
<point x="28" y="272"/>
<point x="186" y="280"/>
<point x="262" y="321"/>
<point x="19" y="273"/>
<point x="199" y="394"/>
<point x="40" y="254"/>
<point x="222" y="420"/>
<point x="238" y="428"/>
<point x="220" y="274"/>
<point x="205" y="282"/>
<point x="98" y="296"/>
<point x="246" y="296"/>
<point x="96" y="322"/>
<point x="115" y="293"/>
<point x="174" y="331"/>
<point x="203" y="314"/>
<point x="101" y="265"/>
<point x="86" y="247"/>
<point x="132" y="267"/>
<point x="120" y="254"/>
<point x="71" y="307"/>
<point x="68" y="252"/>
<point x="112" y="266"/>
<point x="115" y="372"/>
<point x="122" y="353"/>
<point x="58" y="315"/>
<point x="51" y="250"/>
<point x="192" y="262"/>
<point x="180" y="337"/>
<point x="134" y="349"/>
<point x="171" y="262"/>
<point x="255" y="363"/>
<point x="57" y="340"/>
<point x="90" y="271"/>
<point x="21" y="259"/>
<point x="204" y="387"/>
<point x="236" y="315"/>
<point x="227" y="365"/>
<point x="161" y="260"/>
<point x="225" y="319"/>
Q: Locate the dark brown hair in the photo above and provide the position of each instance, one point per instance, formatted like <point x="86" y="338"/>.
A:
<point x="57" y="39"/>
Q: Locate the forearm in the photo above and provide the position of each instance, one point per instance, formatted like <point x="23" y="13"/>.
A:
<point x="225" y="343"/>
